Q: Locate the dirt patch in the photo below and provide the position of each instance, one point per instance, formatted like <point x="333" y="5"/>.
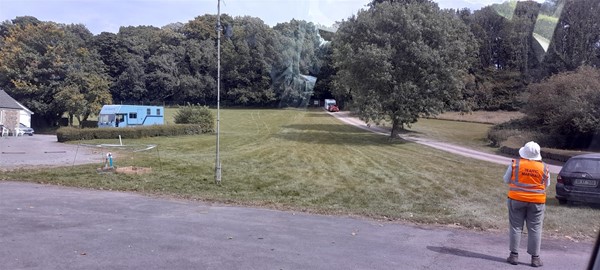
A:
<point x="134" y="170"/>
<point x="125" y="170"/>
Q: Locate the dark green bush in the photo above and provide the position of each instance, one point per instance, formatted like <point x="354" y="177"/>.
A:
<point x="194" y="114"/>
<point x="63" y="122"/>
<point x="566" y="106"/>
<point x="88" y="124"/>
<point x="562" y="112"/>
<point x="64" y="134"/>
<point x="517" y="132"/>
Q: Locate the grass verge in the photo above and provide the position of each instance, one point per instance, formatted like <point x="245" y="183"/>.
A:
<point x="468" y="134"/>
<point x="486" y="117"/>
<point x="310" y="161"/>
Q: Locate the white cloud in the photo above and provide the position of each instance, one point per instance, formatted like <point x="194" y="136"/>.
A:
<point x="490" y="2"/>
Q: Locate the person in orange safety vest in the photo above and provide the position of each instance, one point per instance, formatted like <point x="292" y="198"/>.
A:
<point x="527" y="178"/>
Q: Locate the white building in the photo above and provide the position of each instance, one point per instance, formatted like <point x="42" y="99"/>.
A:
<point x="12" y="112"/>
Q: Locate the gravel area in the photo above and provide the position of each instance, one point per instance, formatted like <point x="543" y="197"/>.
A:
<point x="43" y="151"/>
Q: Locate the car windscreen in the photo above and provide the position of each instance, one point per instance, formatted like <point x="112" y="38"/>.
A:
<point x="587" y="165"/>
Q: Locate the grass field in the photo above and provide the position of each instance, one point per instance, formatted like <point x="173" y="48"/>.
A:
<point x="472" y="135"/>
<point x="310" y="161"/>
<point x="491" y="117"/>
<point x="465" y="129"/>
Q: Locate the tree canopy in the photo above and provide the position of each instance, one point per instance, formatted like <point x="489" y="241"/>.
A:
<point x="396" y="60"/>
<point x="401" y="61"/>
<point x="51" y="69"/>
<point x="56" y="69"/>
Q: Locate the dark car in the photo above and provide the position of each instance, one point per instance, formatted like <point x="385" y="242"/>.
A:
<point x="578" y="180"/>
<point x="26" y="130"/>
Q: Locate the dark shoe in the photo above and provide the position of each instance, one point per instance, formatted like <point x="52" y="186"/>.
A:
<point x="536" y="261"/>
<point x="513" y="259"/>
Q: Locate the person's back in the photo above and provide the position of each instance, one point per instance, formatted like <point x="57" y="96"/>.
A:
<point x="528" y="178"/>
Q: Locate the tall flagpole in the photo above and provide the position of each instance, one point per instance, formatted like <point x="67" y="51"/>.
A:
<point x="218" y="158"/>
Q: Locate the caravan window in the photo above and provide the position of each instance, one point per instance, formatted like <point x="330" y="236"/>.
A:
<point x="132" y="115"/>
<point x="106" y="118"/>
<point x="148" y="111"/>
<point x="157" y="111"/>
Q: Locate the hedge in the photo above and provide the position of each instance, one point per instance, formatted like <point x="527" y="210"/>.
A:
<point x="553" y="154"/>
<point x="65" y="134"/>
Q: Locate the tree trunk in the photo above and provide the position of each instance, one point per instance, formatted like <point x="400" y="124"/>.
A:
<point x="397" y="126"/>
<point x="70" y="119"/>
<point x="79" y="121"/>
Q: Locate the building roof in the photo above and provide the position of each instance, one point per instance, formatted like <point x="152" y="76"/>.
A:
<point x="7" y="102"/>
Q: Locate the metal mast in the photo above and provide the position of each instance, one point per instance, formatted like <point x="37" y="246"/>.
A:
<point x="218" y="158"/>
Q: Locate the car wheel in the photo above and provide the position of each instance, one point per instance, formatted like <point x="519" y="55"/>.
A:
<point x="562" y="201"/>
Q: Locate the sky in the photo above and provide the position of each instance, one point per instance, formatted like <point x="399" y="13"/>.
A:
<point x="108" y="15"/>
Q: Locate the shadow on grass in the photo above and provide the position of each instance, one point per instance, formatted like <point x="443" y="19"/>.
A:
<point x="339" y="138"/>
<point x="317" y="114"/>
<point x="465" y="253"/>
<point x="342" y="128"/>
<point x="333" y="128"/>
<point x="408" y="132"/>
<point x="554" y="202"/>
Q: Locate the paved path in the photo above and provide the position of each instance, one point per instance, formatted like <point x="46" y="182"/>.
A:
<point x="50" y="227"/>
<point x="43" y="150"/>
<point x="459" y="150"/>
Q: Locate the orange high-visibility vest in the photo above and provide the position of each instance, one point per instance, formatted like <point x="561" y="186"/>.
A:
<point x="528" y="181"/>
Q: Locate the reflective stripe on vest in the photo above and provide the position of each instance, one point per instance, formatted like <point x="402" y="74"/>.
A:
<point x="528" y="181"/>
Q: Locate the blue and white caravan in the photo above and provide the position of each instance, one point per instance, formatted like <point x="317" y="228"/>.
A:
<point x="130" y="116"/>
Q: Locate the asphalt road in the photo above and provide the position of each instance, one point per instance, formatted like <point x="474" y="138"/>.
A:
<point x="51" y="227"/>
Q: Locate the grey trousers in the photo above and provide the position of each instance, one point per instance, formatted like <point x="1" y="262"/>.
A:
<point x="532" y="214"/>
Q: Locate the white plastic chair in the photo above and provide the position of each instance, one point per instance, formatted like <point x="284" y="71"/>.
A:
<point x="3" y="131"/>
<point x="19" y="132"/>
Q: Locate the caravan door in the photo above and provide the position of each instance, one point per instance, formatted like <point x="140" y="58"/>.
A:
<point x="120" y="120"/>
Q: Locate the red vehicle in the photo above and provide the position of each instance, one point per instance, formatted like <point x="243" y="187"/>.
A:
<point x="333" y="108"/>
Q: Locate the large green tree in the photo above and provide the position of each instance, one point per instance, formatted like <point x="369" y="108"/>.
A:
<point x="400" y="61"/>
<point x="49" y="68"/>
<point x="199" y="78"/>
<point x="509" y="54"/>
<point x="164" y="67"/>
<point x="86" y="76"/>
<point x="324" y="85"/>
<point x="576" y="41"/>
<point x="247" y="58"/>
<point x="295" y="58"/>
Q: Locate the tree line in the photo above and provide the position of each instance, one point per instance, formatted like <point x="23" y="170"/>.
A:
<point x="56" y="68"/>
<point x="394" y="60"/>
<point x="400" y="60"/>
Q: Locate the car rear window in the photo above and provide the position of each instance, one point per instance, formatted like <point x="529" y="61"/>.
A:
<point x="582" y="165"/>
